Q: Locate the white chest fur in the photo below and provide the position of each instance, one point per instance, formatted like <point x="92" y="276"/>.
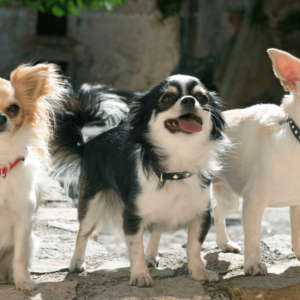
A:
<point x="172" y="206"/>
<point x="17" y="199"/>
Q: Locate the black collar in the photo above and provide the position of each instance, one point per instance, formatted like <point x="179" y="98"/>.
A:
<point x="295" y="129"/>
<point x="173" y="176"/>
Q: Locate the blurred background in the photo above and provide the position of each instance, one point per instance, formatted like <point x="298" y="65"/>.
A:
<point x="134" y="44"/>
<point x="140" y="42"/>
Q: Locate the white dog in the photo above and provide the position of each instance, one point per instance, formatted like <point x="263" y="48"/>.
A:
<point x="263" y="168"/>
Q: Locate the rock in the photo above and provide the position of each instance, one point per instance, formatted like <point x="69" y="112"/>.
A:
<point x="112" y="266"/>
<point x="107" y="275"/>
<point x="169" y="288"/>
<point x="222" y="263"/>
<point x="43" y="266"/>
<point x="56" y="246"/>
<point x="45" y="291"/>
<point x="73" y="226"/>
<point x="280" y="245"/>
<point x="53" y="195"/>
<point x="65" y="214"/>
<point x="285" y="285"/>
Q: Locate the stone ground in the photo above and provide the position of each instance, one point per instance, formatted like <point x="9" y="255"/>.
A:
<point x="107" y="275"/>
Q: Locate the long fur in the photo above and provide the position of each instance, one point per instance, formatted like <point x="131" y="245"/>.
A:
<point x="25" y="112"/>
<point x="80" y="117"/>
<point x="118" y="168"/>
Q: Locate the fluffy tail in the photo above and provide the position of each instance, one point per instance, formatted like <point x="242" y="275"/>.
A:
<point x="94" y="110"/>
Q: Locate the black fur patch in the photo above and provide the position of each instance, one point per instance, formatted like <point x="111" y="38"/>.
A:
<point x="205" y="226"/>
<point x="206" y="179"/>
<point x="214" y="107"/>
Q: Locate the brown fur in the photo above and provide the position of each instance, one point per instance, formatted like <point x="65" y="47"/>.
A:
<point x="34" y="89"/>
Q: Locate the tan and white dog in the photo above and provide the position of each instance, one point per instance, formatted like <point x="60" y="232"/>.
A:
<point x="263" y="168"/>
<point x="25" y="112"/>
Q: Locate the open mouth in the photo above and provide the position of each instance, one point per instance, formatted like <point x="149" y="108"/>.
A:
<point x="186" y="123"/>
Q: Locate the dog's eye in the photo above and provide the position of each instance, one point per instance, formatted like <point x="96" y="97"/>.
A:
<point x="166" y="99"/>
<point x="13" y="108"/>
<point x="202" y="98"/>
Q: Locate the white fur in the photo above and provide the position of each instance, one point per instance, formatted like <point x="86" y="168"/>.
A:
<point x="115" y="110"/>
<point x="18" y="202"/>
<point x="263" y="169"/>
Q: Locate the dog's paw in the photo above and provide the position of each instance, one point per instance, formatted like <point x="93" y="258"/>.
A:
<point x="141" y="280"/>
<point x="230" y="247"/>
<point x="202" y="274"/>
<point x="152" y="262"/>
<point x="255" y="269"/>
<point x="77" y="266"/>
<point x="26" y="284"/>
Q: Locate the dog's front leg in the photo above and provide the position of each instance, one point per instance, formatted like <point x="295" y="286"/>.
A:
<point x="253" y="210"/>
<point x="197" y="231"/>
<point x="134" y="239"/>
<point x="295" y="229"/>
<point x="22" y="232"/>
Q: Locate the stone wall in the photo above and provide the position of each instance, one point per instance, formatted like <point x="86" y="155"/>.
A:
<point x="130" y="48"/>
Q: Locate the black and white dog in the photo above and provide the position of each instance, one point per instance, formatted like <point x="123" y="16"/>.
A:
<point x="151" y="172"/>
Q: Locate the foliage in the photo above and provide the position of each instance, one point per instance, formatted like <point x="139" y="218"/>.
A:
<point x="61" y="8"/>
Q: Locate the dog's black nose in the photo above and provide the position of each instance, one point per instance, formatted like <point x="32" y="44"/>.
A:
<point x="3" y="119"/>
<point x="188" y="102"/>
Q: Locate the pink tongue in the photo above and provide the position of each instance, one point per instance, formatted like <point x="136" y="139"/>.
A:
<point x="189" y="125"/>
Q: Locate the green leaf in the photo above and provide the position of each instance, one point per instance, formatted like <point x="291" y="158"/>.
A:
<point x="57" y="11"/>
<point x="81" y="3"/>
<point x="41" y="8"/>
<point x="95" y="4"/>
<point x="73" y="9"/>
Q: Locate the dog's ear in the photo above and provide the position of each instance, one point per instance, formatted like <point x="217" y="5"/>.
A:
<point x="286" y="68"/>
<point x="32" y="82"/>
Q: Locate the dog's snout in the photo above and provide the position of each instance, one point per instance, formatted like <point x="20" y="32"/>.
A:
<point x="188" y="102"/>
<point x="3" y="119"/>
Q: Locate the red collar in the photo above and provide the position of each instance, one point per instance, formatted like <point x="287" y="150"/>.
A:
<point x="3" y="171"/>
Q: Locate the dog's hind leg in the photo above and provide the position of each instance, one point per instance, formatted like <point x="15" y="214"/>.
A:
<point x="295" y="229"/>
<point x="152" y="258"/>
<point x="88" y="215"/>
<point x="227" y="204"/>
<point x="197" y="232"/>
